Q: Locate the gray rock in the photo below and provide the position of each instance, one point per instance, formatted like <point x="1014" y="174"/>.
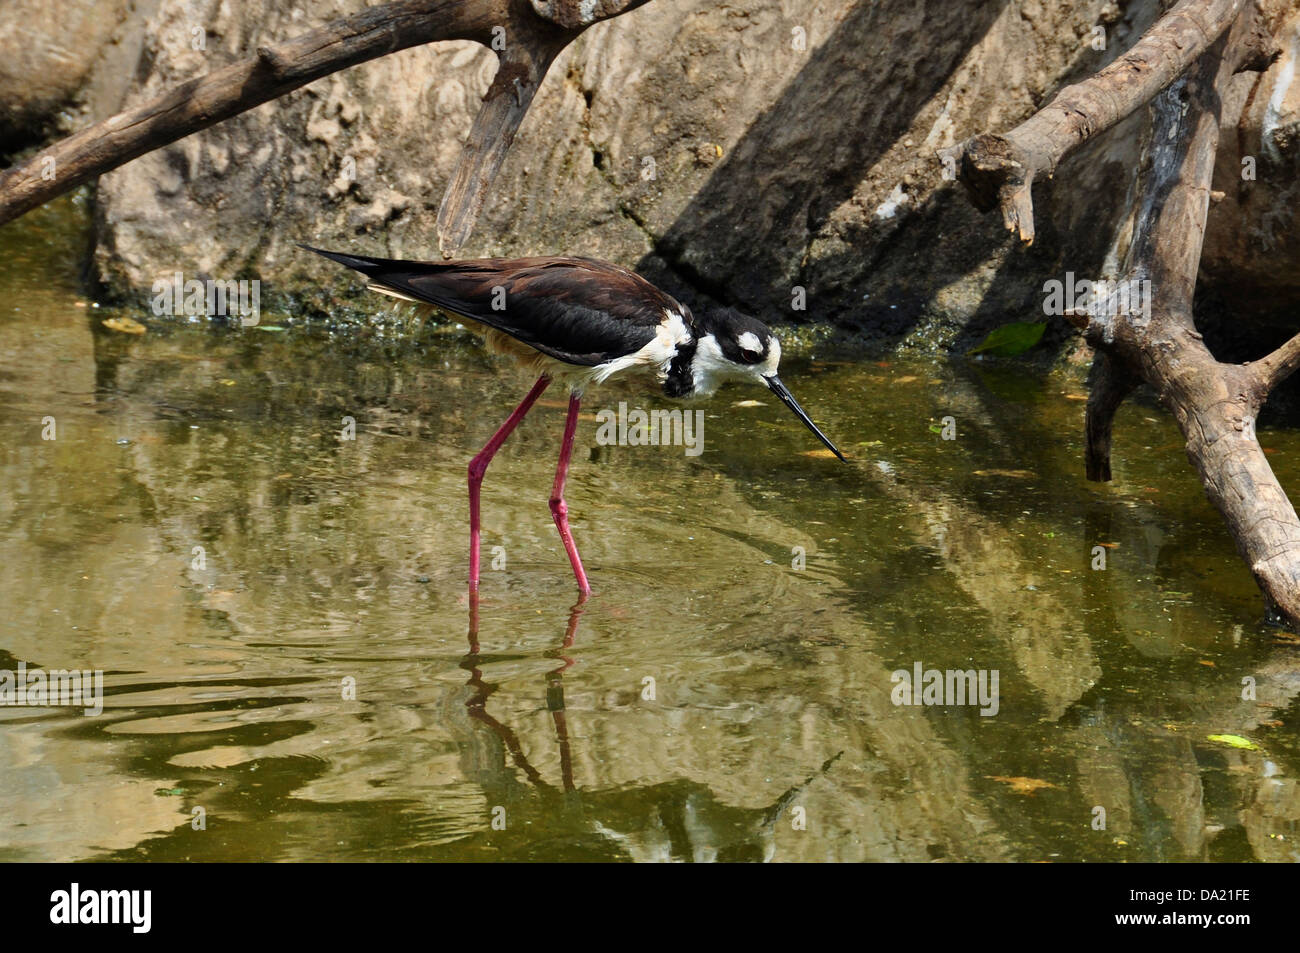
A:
<point x="731" y="152"/>
<point x="47" y="51"/>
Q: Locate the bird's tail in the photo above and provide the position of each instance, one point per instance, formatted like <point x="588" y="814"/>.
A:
<point x="359" y="263"/>
<point x="374" y="269"/>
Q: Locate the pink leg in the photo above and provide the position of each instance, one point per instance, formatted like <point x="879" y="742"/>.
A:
<point x="560" y="509"/>
<point x="478" y="466"/>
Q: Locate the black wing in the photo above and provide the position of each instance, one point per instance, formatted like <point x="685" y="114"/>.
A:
<point x="576" y="310"/>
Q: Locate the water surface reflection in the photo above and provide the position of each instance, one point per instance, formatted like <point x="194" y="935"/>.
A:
<point x="330" y="563"/>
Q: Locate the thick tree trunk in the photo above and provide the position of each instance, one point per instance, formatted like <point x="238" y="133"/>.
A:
<point x="1185" y="62"/>
<point x="1215" y="404"/>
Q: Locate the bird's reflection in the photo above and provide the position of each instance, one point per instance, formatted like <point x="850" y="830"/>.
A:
<point x="670" y="821"/>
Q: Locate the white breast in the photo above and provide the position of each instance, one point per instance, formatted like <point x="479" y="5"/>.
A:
<point x="656" y="354"/>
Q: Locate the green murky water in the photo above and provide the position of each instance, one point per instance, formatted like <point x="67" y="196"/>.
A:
<point x="710" y="702"/>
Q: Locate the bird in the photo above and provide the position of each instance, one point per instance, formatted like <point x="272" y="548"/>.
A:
<point x="581" y="321"/>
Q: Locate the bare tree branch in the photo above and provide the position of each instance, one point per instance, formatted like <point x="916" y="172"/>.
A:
<point x="1214" y="404"/>
<point x="1111" y="384"/>
<point x="1278" y="366"/>
<point x="522" y="69"/>
<point x="530" y="35"/>
<point x="999" y="170"/>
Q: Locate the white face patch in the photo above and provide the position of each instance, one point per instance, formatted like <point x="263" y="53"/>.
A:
<point x="749" y="342"/>
<point x="710" y="370"/>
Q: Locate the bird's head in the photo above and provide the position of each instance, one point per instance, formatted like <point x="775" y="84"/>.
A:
<point x="735" y="347"/>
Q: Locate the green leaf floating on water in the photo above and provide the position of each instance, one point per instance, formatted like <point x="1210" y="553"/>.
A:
<point x="1011" y="339"/>
<point x="1234" y="741"/>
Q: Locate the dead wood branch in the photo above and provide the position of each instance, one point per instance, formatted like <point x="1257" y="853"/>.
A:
<point x="1182" y="66"/>
<point x="520" y="73"/>
<point x="527" y="35"/>
<point x="999" y="170"/>
<point x="1215" y="404"/>
<point x="1111" y="384"/>
<point x="1278" y="366"/>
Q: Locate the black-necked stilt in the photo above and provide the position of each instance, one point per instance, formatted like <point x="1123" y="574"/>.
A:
<point x="581" y="321"/>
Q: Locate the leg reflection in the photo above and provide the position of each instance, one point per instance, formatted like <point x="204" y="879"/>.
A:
<point x="482" y="690"/>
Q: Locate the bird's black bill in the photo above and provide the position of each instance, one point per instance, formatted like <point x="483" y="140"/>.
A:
<point x="787" y="398"/>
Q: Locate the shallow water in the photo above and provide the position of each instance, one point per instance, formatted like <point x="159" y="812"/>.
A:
<point x="771" y="732"/>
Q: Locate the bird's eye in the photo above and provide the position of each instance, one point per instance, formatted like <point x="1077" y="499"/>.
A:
<point x="750" y="357"/>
